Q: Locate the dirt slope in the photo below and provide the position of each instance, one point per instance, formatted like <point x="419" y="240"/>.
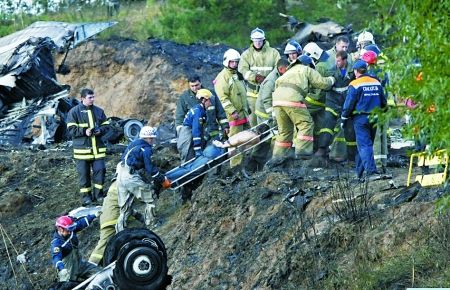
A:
<point x="139" y="79"/>
<point x="236" y="234"/>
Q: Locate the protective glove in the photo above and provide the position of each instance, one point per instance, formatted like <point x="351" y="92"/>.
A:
<point x="332" y="79"/>
<point x="166" y="183"/>
<point x="98" y="213"/>
<point x="64" y="275"/>
<point x="235" y="115"/>
<point x="259" y="78"/>
<point x="198" y="153"/>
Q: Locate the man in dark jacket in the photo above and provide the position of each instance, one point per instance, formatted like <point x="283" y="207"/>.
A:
<point x="133" y="181"/>
<point x="86" y="124"/>
<point x="365" y="94"/>
<point x="216" y="120"/>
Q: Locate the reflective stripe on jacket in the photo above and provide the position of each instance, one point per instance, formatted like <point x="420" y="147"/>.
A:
<point x="232" y="94"/>
<point x="260" y="62"/>
<point x="81" y="118"/>
<point x="216" y="116"/>
<point x="196" y="119"/>
<point x="138" y="156"/>
<point x="364" y="94"/>
<point x="61" y="247"/>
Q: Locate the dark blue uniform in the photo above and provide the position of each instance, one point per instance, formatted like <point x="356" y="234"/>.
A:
<point x="62" y="247"/>
<point x="195" y="119"/>
<point x="364" y="95"/>
<point x="140" y="157"/>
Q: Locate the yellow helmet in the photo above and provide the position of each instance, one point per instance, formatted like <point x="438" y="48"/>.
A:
<point x="204" y="93"/>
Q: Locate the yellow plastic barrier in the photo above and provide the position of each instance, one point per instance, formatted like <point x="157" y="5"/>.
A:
<point x="439" y="158"/>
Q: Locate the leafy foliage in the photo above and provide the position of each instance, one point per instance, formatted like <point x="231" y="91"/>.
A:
<point x="418" y="54"/>
<point x="220" y="21"/>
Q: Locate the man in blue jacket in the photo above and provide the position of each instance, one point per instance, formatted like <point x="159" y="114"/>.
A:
<point x="190" y="137"/>
<point x="64" y="249"/>
<point x="365" y="94"/>
<point x="133" y="175"/>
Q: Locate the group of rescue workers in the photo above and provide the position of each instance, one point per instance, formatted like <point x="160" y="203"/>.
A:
<point x="319" y="103"/>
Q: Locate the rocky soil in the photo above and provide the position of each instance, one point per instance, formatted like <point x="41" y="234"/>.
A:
<point x="292" y="227"/>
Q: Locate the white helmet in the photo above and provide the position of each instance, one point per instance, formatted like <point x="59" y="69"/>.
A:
<point x="257" y="33"/>
<point x="315" y="52"/>
<point x="365" y="36"/>
<point x="292" y="47"/>
<point x="229" y="55"/>
<point x="147" y="132"/>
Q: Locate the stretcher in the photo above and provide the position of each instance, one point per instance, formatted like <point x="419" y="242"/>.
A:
<point x="219" y="160"/>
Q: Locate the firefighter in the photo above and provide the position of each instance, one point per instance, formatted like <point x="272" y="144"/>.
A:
<point x="292" y="50"/>
<point x="86" y="124"/>
<point x="365" y="94"/>
<point x="345" y="147"/>
<point x="230" y="88"/>
<point x="365" y="38"/>
<point x="315" y="100"/>
<point x="64" y="249"/>
<point x="291" y="111"/>
<point x="255" y="64"/>
<point x="216" y="121"/>
<point x="108" y="219"/>
<point x="263" y="111"/>
<point x="135" y="172"/>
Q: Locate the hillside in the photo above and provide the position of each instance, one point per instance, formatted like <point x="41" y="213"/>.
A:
<point x="236" y="233"/>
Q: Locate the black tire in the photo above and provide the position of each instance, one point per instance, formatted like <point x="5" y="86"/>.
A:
<point x="140" y="266"/>
<point x="131" y="129"/>
<point x="119" y="240"/>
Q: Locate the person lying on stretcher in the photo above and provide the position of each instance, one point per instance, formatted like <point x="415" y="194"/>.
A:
<point x="216" y="152"/>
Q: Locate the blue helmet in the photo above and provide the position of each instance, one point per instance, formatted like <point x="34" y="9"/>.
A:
<point x="306" y="60"/>
<point x="293" y="46"/>
<point x="374" y="48"/>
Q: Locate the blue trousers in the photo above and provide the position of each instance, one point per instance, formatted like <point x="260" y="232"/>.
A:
<point x="365" y="134"/>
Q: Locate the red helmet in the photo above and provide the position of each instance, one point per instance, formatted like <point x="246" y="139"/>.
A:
<point x="64" y="222"/>
<point x="370" y="57"/>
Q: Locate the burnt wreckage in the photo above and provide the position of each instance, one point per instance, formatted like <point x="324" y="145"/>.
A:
<point x="33" y="104"/>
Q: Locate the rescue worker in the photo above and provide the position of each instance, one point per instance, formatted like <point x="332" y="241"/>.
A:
<point x="380" y="146"/>
<point x="64" y="249"/>
<point x="190" y="137"/>
<point x="345" y="147"/>
<point x="315" y="100"/>
<point x="263" y="111"/>
<point x="87" y="123"/>
<point x="291" y="111"/>
<point x="229" y="86"/>
<point x="135" y="166"/>
<point x="255" y="64"/>
<point x="365" y="94"/>
<point x="216" y="121"/>
<point x="365" y="38"/>
<point x="108" y="219"/>
<point x="342" y="43"/>
<point x="292" y="50"/>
